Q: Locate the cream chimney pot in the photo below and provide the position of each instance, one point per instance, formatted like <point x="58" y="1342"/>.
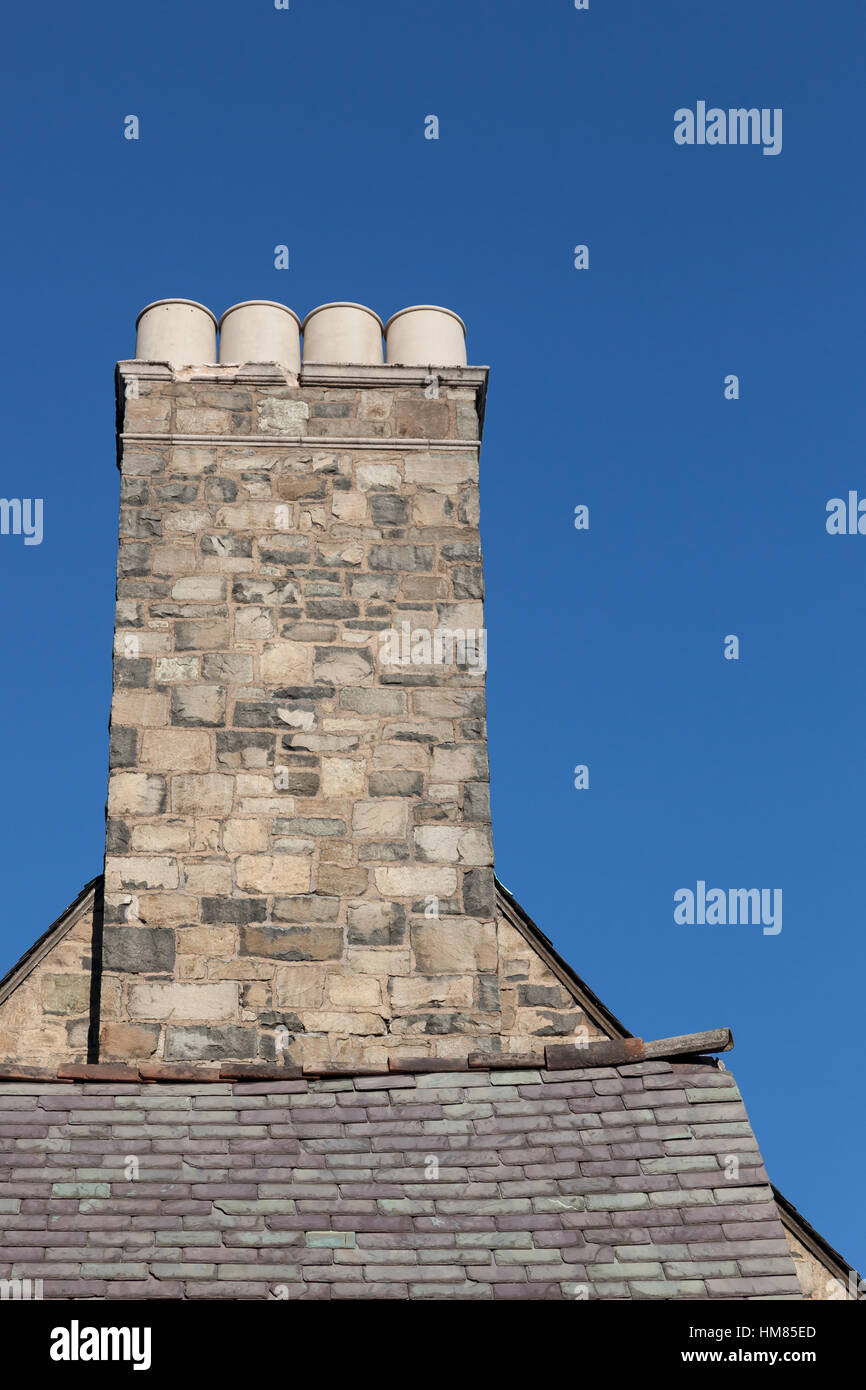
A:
<point x="425" y="335"/>
<point x="343" y="333"/>
<point x="260" y="330"/>
<point x="178" y="331"/>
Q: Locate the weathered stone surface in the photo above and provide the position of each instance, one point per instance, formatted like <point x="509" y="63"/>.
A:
<point x="416" y="881"/>
<point x="458" y="947"/>
<point x="266" y="873"/>
<point x="171" y="750"/>
<point x="269" y="773"/>
<point x="209" y="795"/>
<point x="293" y="943"/>
<point x="178" y="1002"/>
<point x="122" y="1040"/>
<point x="208" y="1044"/>
<point x="66" y="994"/>
<point x="286" y="662"/>
<point x="136" y="793"/>
<point x="343" y="882"/>
<point x="135" y="950"/>
<point x="198" y="705"/>
<point x="376" y="924"/>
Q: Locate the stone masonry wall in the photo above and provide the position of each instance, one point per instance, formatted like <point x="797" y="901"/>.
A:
<point x="299" y="856"/>
<point x="602" y="1183"/>
<point x="46" y="1018"/>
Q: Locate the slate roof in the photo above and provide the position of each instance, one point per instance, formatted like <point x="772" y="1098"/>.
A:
<point x="595" y="1010"/>
<point x="598" y="1183"/>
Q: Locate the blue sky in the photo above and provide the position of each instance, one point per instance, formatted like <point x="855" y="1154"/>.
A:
<point x="707" y="517"/>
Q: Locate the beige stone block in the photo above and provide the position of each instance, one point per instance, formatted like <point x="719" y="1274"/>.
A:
<point x="287" y="663"/>
<point x="136" y="644"/>
<point x="199" y="704"/>
<point x="265" y="873"/>
<point x="244" y="836"/>
<point x="410" y="757"/>
<point x="344" y="667"/>
<point x="208" y="880"/>
<point x="191" y="968"/>
<point x="186" y="521"/>
<point x="191" y="460"/>
<point x="375" y="405"/>
<point x="206" y="836"/>
<point x="438" y="844"/>
<point x="184" y="1003"/>
<point x="148" y="412"/>
<point x="252" y="516"/>
<point x="476" y="846"/>
<point x="129" y="872"/>
<point x="170" y="669"/>
<point x="65" y="994"/>
<point x="253" y="623"/>
<point x="442" y="472"/>
<point x="445" y="794"/>
<point x="174" y="559"/>
<point x="265" y="806"/>
<point x="313" y="519"/>
<point x="385" y="475"/>
<point x="254" y="784"/>
<point x="354" y="991"/>
<point x="446" y="704"/>
<point x="299" y="986"/>
<point x="297" y="718"/>
<point x="221" y="942"/>
<point x="454" y="947"/>
<point x="314" y="1050"/>
<point x="342" y="882"/>
<point x="146" y="709"/>
<point x="313" y="943"/>
<point x="283" y="417"/>
<point x="176" y="750"/>
<point x="228" y="668"/>
<point x="416" y="881"/>
<point x="458" y="764"/>
<point x="349" y="506"/>
<point x="422" y="991"/>
<point x="240" y="969"/>
<point x="191" y="635"/>
<point x="327" y="1022"/>
<point x="166" y="909"/>
<point x="423" y="586"/>
<point x="365" y="728"/>
<point x="325" y="743"/>
<point x="432" y="509"/>
<point x="121" y="1040"/>
<point x="136" y="794"/>
<point x="202" y="794"/>
<point x="343" y="777"/>
<point x="200" y="588"/>
<point x="350" y="553"/>
<point x="337" y="852"/>
<point x="381" y="819"/>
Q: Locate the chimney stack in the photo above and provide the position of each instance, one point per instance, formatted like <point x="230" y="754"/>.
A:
<point x="299" y="857"/>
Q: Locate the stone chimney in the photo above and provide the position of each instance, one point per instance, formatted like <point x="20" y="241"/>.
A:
<point x="299" y="857"/>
